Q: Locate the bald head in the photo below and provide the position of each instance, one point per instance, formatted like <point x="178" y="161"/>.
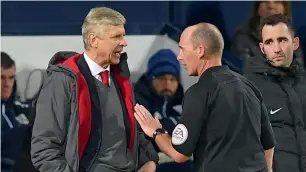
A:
<point x="201" y="47"/>
<point x="209" y="35"/>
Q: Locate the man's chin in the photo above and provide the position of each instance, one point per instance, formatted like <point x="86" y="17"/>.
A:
<point x="4" y="97"/>
<point x="278" y="64"/>
<point x="192" y="74"/>
<point x="115" y="60"/>
<point x="168" y="94"/>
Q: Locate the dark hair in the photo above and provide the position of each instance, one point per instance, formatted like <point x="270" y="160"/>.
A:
<point x="255" y="18"/>
<point x="274" y="20"/>
<point x="286" y="4"/>
<point x="6" y="61"/>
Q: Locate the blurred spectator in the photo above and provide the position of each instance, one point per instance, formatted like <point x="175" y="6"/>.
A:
<point x="161" y="92"/>
<point x="13" y="116"/>
<point x="246" y="39"/>
<point x="301" y="33"/>
<point x="159" y="89"/>
<point x="281" y="79"/>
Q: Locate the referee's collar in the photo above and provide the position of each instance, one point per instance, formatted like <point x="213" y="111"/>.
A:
<point x="214" y="69"/>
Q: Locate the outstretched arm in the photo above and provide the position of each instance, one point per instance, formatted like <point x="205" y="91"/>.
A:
<point x="149" y="125"/>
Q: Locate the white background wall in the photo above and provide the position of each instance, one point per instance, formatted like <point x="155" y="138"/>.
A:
<point x="31" y="52"/>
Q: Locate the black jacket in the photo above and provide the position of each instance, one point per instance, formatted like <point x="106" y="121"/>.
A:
<point x="246" y="40"/>
<point x="168" y="108"/>
<point x="284" y="92"/>
<point x="14" y="133"/>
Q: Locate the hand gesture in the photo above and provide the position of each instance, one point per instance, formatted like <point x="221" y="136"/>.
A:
<point x="146" y="120"/>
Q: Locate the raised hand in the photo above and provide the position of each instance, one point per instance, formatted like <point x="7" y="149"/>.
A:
<point x="146" y="120"/>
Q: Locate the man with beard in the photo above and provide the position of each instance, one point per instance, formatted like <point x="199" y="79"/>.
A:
<point x="160" y="91"/>
<point x="280" y="76"/>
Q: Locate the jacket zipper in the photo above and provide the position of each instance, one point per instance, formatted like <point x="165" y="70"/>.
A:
<point x="164" y="108"/>
<point x="296" y="128"/>
<point x="9" y="123"/>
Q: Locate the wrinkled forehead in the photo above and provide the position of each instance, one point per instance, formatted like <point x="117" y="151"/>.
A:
<point x="8" y="71"/>
<point x="274" y="32"/>
<point x="186" y="36"/>
<point x="114" y="29"/>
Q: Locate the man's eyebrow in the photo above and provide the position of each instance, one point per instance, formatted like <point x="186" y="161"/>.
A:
<point x="282" y="38"/>
<point x="268" y="40"/>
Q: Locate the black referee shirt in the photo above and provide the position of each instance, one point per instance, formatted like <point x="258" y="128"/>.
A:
<point x="224" y="124"/>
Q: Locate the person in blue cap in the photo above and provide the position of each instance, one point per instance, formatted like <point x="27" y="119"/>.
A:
<point x="160" y="91"/>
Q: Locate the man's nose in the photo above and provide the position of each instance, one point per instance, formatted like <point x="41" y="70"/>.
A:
<point x="4" y="83"/>
<point x="124" y="42"/>
<point x="179" y="56"/>
<point x="168" y="83"/>
<point x="277" y="48"/>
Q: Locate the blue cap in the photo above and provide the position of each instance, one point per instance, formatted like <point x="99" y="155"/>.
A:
<point x="163" y="62"/>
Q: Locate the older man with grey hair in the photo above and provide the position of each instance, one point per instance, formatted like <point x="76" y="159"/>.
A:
<point x="85" y="117"/>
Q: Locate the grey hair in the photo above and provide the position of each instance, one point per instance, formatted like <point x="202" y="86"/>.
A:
<point x="97" y="19"/>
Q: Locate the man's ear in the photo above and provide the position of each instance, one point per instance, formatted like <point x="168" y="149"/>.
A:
<point x="261" y="46"/>
<point x="93" y="41"/>
<point x="296" y="43"/>
<point x="201" y="51"/>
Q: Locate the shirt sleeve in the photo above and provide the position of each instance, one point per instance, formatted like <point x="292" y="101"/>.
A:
<point x="267" y="136"/>
<point x="186" y="134"/>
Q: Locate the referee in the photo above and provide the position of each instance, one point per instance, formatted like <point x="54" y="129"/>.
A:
<point x="224" y="121"/>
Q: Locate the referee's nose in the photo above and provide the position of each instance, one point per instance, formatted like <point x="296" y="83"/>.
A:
<point x="179" y="56"/>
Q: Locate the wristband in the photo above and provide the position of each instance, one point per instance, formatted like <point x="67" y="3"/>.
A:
<point x="158" y="132"/>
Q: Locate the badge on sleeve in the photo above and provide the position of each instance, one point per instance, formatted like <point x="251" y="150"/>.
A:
<point x="179" y="134"/>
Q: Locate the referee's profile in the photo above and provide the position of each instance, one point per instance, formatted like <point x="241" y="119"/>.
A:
<point x="225" y="124"/>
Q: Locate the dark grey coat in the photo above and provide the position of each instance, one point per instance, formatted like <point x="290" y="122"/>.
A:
<point x="55" y="137"/>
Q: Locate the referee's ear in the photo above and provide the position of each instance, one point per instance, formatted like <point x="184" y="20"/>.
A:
<point x="201" y="51"/>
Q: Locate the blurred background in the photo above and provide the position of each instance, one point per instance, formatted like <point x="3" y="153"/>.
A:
<point x="32" y="32"/>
